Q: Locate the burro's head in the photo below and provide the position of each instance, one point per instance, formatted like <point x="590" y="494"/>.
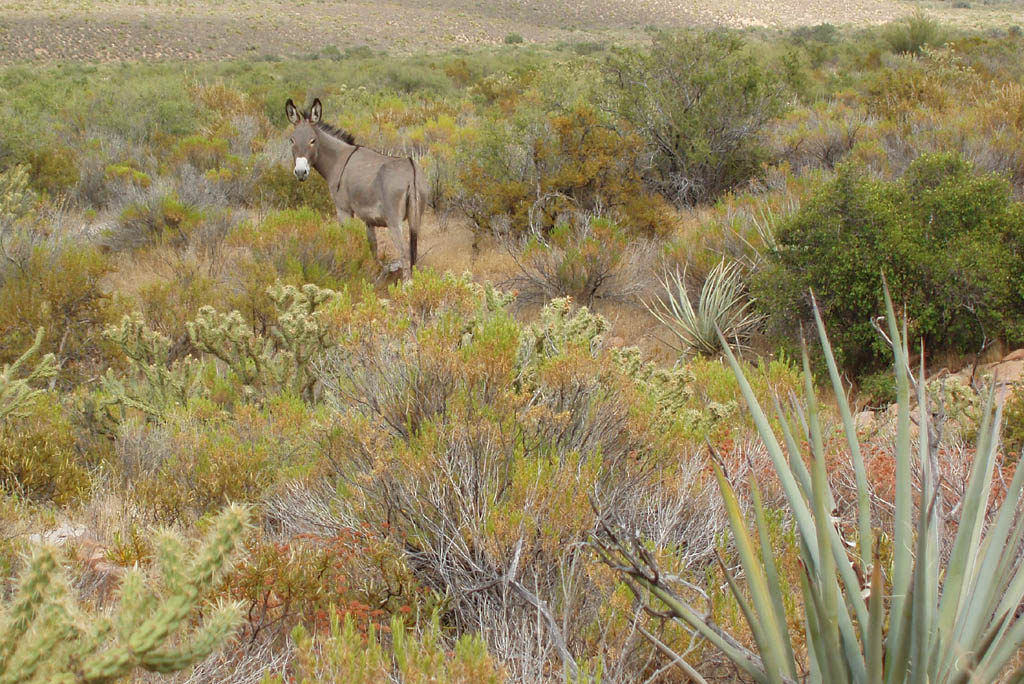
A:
<point x="304" y="137"/>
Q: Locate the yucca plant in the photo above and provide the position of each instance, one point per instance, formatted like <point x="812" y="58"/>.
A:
<point x="936" y="621"/>
<point x="723" y="305"/>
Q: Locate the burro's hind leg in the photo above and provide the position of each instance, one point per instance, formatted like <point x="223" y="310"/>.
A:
<point x="394" y="218"/>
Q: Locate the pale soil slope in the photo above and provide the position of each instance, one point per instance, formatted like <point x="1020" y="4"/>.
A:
<point x="108" y="30"/>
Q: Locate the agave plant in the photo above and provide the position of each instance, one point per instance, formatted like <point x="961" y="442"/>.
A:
<point x="936" y="621"/>
<point x="723" y="306"/>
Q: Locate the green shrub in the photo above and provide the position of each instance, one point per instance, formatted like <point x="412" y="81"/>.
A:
<point x="513" y="39"/>
<point x="304" y="246"/>
<point x="53" y="170"/>
<point x="948" y="241"/>
<point x="914" y="33"/>
<point x="157" y="220"/>
<point x="39" y="458"/>
<point x="277" y="188"/>
<point x="1013" y="430"/>
<point x="201" y="458"/>
<point x="345" y="654"/>
<point x="878" y="389"/>
<point x="586" y="259"/>
<point x="699" y="100"/>
<point x="531" y="171"/>
<point x="58" y="287"/>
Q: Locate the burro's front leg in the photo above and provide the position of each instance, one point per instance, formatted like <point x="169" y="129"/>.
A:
<point x="371" y="232"/>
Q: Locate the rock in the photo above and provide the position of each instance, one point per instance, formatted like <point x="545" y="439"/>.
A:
<point x="865" y="421"/>
<point x="58" y="536"/>
<point x="1015" y="355"/>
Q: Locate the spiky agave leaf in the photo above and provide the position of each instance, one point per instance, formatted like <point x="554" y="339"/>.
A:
<point x="964" y="631"/>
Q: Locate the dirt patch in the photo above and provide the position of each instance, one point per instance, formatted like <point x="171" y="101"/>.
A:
<point x="119" y="30"/>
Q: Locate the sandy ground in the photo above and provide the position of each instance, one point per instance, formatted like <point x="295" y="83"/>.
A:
<point x="447" y="245"/>
<point x="112" y="30"/>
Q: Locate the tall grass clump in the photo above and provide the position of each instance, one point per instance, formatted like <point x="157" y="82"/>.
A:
<point x="928" y="618"/>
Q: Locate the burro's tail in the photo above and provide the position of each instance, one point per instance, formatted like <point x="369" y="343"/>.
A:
<point x="414" y="213"/>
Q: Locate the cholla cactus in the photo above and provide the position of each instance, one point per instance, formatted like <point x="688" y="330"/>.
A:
<point x="559" y="329"/>
<point x="282" y="360"/>
<point x="44" y="638"/>
<point x="15" y="195"/>
<point x="672" y="392"/>
<point x="17" y="394"/>
<point x="155" y="383"/>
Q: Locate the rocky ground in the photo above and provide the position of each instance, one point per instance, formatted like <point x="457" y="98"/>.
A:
<point x="111" y="30"/>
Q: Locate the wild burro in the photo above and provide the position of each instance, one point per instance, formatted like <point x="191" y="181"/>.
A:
<point x="377" y="188"/>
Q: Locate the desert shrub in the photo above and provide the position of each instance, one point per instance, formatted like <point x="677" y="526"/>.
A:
<point x="476" y="444"/>
<point x="309" y="579"/>
<point x="511" y="178"/>
<point x="57" y="286"/>
<point x="584" y="258"/>
<point x="303" y="246"/>
<point x="53" y="171"/>
<point x="878" y="389"/>
<point x="39" y="458"/>
<point x="278" y="188"/>
<point x="936" y="80"/>
<point x="947" y="240"/>
<point x="1013" y="426"/>
<point x="913" y="34"/>
<point x="200" y="458"/>
<point x="202" y="152"/>
<point x="158" y="219"/>
<point x="343" y="653"/>
<point x="127" y="173"/>
<point x="700" y="101"/>
<point x="821" y="135"/>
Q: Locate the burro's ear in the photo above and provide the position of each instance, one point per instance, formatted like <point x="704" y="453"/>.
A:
<point x="291" y="112"/>
<point x="315" y="111"/>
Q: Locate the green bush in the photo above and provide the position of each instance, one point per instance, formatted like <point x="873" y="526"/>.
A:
<point x="531" y="170"/>
<point x="948" y="241"/>
<point x="53" y="170"/>
<point x="277" y="188"/>
<point x="57" y="287"/>
<point x="157" y="220"/>
<point x="913" y="34"/>
<point x="304" y="246"/>
<point x="700" y="100"/>
<point x="39" y="459"/>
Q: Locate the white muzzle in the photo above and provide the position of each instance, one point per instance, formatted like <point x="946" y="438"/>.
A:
<point x="301" y="168"/>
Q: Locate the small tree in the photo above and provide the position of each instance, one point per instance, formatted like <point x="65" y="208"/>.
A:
<point x="700" y="100"/>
